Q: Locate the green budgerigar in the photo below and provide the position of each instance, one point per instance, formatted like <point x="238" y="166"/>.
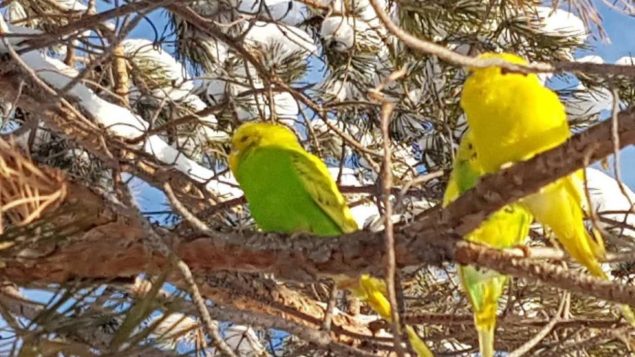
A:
<point x="290" y="190"/>
<point x="505" y="228"/>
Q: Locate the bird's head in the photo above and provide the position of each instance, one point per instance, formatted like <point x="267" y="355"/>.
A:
<point x="256" y="134"/>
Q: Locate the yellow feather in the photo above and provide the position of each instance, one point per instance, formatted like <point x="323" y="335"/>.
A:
<point x="504" y="228"/>
<point x="374" y="292"/>
<point x="513" y="117"/>
<point x="325" y="192"/>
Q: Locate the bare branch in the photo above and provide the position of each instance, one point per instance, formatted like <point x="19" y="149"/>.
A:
<point x="389" y="234"/>
<point x="546" y="330"/>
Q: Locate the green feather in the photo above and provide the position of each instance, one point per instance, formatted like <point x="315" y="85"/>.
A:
<point x="290" y="190"/>
<point x="275" y="182"/>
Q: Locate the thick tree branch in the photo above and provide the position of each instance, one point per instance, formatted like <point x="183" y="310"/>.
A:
<point x="432" y="239"/>
<point x="85" y="216"/>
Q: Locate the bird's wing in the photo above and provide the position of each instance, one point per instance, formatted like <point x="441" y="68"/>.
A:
<point x="465" y="172"/>
<point x="316" y="179"/>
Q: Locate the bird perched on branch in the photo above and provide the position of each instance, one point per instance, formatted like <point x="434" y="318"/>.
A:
<point x="513" y="117"/>
<point x="290" y="190"/>
<point x="505" y="228"/>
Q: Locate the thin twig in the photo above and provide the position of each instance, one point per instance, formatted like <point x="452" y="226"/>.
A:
<point x="546" y="330"/>
<point x="91" y="21"/>
<point x="386" y="184"/>
<point x="211" y="326"/>
<point x="330" y="307"/>
<point x="465" y="61"/>
<point x="174" y="123"/>
<point x="615" y="109"/>
<point x="187" y="215"/>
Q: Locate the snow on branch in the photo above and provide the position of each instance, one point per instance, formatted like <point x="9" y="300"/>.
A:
<point x="119" y="121"/>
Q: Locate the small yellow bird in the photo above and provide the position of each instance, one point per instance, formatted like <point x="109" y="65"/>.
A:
<point x="290" y="190"/>
<point x="505" y="228"/>
<point x="513" y="117"/>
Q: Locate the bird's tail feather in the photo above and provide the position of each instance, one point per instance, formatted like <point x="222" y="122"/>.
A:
<point x="564" y="215"/>
<point x="417" y="344"/>
<point x="486" y="341"/>
<point x="483" y="289"/>
<point x="373" y="292"/>
<point x="626" y="310"/>
<point x="558" y="206"/>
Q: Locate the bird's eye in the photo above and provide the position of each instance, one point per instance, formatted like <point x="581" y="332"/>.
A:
<point x="243" y="139"/>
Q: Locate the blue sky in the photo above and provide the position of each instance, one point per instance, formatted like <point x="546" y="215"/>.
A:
<point x="621" y="30"/>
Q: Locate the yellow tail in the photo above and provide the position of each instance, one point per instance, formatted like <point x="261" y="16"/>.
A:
<point x="559" y="207"/>
<point x="373" y="292"/>
<point x="486" y="341"/>
<point x="483" y="289"/>
<point x="417" y="344"/>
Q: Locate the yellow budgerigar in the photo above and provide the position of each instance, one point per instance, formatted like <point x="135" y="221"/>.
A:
<point x="290" y="190"/>
<point x="513" y="117"/>
<point x="505" y="228"/>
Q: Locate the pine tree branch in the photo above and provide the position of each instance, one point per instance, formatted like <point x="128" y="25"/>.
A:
<point x="466" y="61"/>
<point x="112" y="151"/>
<point x="432" y="239"/>
<point x="90" y="22"/>
<point x="251" y="318"/>
<point x="107" y="217"/>
<point x="511" y="321"/>
<point x="544" y="332"/>
<point x="91" y="332"/>
<point x="314" y="336"/>
<point x="389" y="234"/>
